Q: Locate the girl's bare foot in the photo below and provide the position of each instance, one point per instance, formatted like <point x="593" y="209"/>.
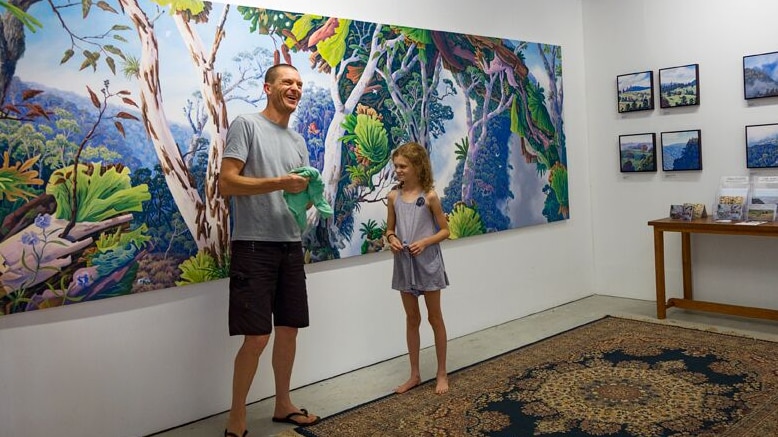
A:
<point x="409" y="384"/>
<point x="442" y="385"/>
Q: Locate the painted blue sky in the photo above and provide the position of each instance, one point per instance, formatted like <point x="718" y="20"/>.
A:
<point x="640" y="79"/>
<point x="636" y="140"/>
<point x="677" y="137"/>
<point x="767" y="63"/>
<point x="179" y="81"/>
<point x="756" y="134"/>
<point x="683" y="74"/>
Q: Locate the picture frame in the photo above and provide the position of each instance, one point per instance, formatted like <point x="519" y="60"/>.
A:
<point x="762" y="146"/>
<point x="635" y="91"/>
<point x="679" y="86"/>
<point x="761" y="212"/>
<point x="760" y="75"/>
<point x="676" y="212"/>
<point x="682" y="212"/>
<point x="681" y="150"/>
<point x="637" y="152"/>
<point x="698" y="210"/>
<point x="764" y="190"/>
<point x="729" y="211"/>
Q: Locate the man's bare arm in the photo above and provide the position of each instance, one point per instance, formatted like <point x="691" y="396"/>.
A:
<point x="232" y="183"/>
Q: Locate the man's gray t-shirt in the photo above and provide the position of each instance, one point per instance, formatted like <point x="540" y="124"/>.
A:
<point x="267" y="150"/>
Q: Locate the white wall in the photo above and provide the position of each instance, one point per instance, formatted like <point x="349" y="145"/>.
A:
<point x="135" y="365"/>
<point x="625" y="36"/>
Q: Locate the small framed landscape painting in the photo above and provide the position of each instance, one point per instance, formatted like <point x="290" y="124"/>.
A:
<point x="679" y="86"/>
<point x="681" y="150"/>
<point x="760" y="75"/>
<point x="635" y="91"/>
<point x="762" y="146"/>
<point x="637" y="152"/>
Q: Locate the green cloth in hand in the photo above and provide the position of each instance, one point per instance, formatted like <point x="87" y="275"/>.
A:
<point x="298" y="202"/>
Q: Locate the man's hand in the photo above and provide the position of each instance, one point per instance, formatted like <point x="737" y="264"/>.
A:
<point x="293" y="183"/>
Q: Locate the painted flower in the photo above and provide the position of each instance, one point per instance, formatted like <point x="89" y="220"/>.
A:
<point x="420" y="201"/>
<point x="82" y="280"/>
<point x="30" y="238"/>
<point x="43" y="221"/>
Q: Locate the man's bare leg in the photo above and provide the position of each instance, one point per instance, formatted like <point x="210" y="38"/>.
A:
<point x="246" y="361"/>
<point x="412" y="338"/>
<point x="284" y="350"/>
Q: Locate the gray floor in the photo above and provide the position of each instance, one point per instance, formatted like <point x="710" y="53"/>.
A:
<point x="343" y="392"/>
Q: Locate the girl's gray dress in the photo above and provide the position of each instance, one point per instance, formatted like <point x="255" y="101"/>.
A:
<point x="424" y="272"/>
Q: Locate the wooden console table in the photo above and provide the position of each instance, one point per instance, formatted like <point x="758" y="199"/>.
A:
<point x="701" y="226"/>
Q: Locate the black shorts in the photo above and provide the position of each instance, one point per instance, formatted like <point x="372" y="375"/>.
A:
<point x="267" y="287"/>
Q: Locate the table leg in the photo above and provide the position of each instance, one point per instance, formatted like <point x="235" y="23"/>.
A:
<point x="686" y="262"/>
<point x="659" y="269"/>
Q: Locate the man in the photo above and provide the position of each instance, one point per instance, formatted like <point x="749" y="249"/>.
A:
<point x="267" y="276"/>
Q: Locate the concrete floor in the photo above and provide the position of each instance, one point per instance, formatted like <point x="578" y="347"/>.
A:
<point x="337" y="394"/>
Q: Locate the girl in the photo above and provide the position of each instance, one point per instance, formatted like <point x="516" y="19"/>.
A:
<point x="415" y="226"/>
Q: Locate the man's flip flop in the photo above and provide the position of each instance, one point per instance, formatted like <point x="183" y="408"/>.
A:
<point x="232" y="434"/>
<point x="290" y="419"/>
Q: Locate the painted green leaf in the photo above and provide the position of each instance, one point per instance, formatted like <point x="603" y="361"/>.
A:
<point x="372" y="140"/>
<point x="66" y="56"/>
<point x="101" y="193"/>
<point x="302" y="26"/>
<point x="193" y="6"/>
<point x="349" y="122"/>
<point x="199" y="268"/>
<point x="465" y="222"/>
<point x="518" y="126"/>
<point x="111" y="241"/>
<point x="333" y="48"/>
<point x="420" y="36"/>
<point x="111" y="64"/>
<point x="461" y="149"/>
<point x="536" y="102"/>
<point x="85" y="6"/>
<point x="357" y="174"/>
<point x="30" y="22"/>
<point x="114" y="50"/>
<point x="558" y="180"/>
<point x="14" y="179"/>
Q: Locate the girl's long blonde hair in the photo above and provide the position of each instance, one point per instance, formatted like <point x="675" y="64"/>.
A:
<point x="419" y="158"/>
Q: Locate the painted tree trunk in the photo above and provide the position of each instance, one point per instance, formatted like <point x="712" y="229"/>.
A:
<point x="413" y="109"/>
<point x="177" y="176"/>
<point x="12" y="44"/>
<point x="478" y="131"/>
<point x="212" y="221"/>
<point x="333" y="148"/>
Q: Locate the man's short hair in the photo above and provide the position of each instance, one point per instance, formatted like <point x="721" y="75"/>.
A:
<point x="272" y="72"/>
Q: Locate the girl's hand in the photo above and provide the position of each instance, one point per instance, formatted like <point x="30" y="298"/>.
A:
<point x="394" y="243"/>
<point x="417" y="247"/>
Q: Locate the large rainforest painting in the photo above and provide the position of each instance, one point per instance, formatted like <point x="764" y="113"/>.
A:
<point x="113" y="119"/>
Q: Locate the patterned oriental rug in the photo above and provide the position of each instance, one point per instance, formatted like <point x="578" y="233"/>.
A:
<point x="611" y="377"/>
